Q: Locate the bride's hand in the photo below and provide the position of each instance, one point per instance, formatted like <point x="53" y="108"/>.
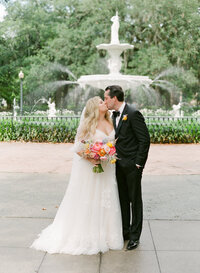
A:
<point x="94" y="161"/>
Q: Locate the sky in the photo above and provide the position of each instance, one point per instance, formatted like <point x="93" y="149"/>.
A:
<point x="2" y="12"/>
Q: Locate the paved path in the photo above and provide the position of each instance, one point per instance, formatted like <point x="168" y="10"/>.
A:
<point x="33" y="179"/>
<point x="57" y="158"/>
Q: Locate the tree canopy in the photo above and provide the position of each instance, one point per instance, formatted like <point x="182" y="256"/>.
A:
<point x="37" y="35"/>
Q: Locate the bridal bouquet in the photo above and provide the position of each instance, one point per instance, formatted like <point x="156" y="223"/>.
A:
<point x="103" y="151"/>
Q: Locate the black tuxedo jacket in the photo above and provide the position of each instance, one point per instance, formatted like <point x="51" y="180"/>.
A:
<point x="133" y="138"/>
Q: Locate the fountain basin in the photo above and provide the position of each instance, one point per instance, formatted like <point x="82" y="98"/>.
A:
<point x="101" y="81"/>
<point x="120" y="47"/>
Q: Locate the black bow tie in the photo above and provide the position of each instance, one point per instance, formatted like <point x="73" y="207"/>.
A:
<point x="116" y="113"/>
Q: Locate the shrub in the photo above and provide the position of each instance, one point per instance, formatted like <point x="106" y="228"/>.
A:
<point x="162" y="130"/>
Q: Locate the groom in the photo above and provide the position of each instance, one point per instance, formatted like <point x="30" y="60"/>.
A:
<point x="132" y="146"/>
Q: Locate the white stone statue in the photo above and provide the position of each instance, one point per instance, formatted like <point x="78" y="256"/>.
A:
<point x="15" y="107"/>
<point x="177" y="110"/>
<point x="4" y="103"/>
<point x="52" y="109"/>
<point x="115" y="29"/>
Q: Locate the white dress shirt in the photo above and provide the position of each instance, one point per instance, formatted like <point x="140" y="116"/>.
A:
<point x="121" y="109"/>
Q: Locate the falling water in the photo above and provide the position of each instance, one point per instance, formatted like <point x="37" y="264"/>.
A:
<point x="162" y="91"/>
<point x="62" y="68"/>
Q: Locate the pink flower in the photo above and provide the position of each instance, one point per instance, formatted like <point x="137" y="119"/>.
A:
<point x="96" y="156"/>
<point x="103" y="158"/>
<point x="112" y="151"/>
<point x="96" y="147"/>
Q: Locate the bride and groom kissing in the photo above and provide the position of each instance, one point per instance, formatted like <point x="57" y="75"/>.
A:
<point x="100" y="211"/>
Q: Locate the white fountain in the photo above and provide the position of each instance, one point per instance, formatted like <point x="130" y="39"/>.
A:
<point x="114" y="77"/>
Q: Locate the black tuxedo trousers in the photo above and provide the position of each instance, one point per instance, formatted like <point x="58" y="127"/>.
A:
<point x="132" y="145"/>
<point x="130" y="195"/>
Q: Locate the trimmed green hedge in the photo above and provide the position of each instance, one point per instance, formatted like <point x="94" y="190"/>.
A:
<point x="179" y="131"/>
<point x="25" y="131"/>
<point x="172" y="134"/>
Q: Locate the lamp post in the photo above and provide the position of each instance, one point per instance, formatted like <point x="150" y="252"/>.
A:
<point x="21" y="76"/>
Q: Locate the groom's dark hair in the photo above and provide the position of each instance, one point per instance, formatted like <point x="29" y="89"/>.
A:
<point x="115" y="90"/>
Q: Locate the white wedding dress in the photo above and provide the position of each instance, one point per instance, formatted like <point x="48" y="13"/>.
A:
<point x="88" y="220"/>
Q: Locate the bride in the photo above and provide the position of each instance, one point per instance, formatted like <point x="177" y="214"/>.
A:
<point x="88" y="220"/>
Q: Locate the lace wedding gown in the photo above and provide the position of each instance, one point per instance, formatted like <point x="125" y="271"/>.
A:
<point x="88" y="220"/>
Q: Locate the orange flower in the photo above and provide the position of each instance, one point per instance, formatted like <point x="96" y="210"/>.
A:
<point x="102" y="152"/>
<point x="87" y="152"/>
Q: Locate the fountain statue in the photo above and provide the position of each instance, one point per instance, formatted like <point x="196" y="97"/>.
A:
<point x="4" y="103"/>
<point x="52" y="108"/>
<point x="15" y="107"/>
<point x="177" y="110"/>
<point x="51" y="112"/>
<point x="114" y="49"/>
<point x="115" y="29"/>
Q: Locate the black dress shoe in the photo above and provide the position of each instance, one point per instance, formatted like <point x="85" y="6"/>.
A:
<point x="132" y="244"/>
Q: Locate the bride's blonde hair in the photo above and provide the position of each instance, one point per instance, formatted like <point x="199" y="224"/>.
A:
<point x="91" y="117"/>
